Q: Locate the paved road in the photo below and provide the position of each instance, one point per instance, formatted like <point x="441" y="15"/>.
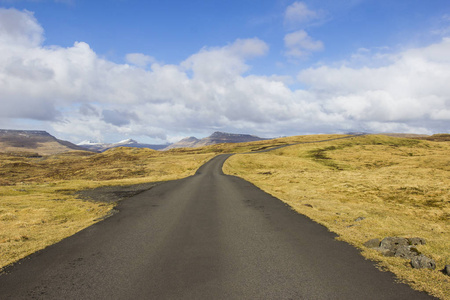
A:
<point x="209" y="236"/>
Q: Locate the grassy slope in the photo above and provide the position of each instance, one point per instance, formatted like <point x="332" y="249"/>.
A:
<point x="38" y="206"/>
<point x="400" y="186"/>
<point x="37" y="202"/>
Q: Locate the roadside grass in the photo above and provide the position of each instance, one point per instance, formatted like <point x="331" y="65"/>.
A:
<point x="400" y="186"/>
<point x="38" y="201"/>
<point x="38" y="205"/>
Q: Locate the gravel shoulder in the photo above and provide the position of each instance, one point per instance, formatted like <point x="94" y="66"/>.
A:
<point x="115" y="193"/>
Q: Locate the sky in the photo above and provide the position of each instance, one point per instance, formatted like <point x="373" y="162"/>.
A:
<point x="159" y="71"/>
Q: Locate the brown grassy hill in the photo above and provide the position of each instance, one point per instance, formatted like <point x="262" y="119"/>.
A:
<point x="442" y="137"/>
<point x="34" y="141"/>
<point x="439" y="137"/>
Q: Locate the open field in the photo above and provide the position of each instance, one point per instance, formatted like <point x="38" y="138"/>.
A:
<point x="38" y="205"/>
<point x="400" y="186"/>
<point x="38" y="201"/>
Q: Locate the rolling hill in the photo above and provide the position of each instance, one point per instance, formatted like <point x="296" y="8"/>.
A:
<point x="34" y="141"/>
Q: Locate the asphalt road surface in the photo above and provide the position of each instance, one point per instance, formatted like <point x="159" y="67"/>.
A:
<point x="209" y="236"/>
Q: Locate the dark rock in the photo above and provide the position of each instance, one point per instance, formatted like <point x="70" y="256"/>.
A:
<point x="393" y="243"/>
<point x="417" y="241"/>
<point x="386" y="251"/>
<point x="359" y="219"/>
<point x="373" y="243"/>
<point x="423" y="262"/>
<point x="405" y="252"/>
<point x="308" y="205"/>
<point x="400" y="247"/>
<point x="446" y="270"/>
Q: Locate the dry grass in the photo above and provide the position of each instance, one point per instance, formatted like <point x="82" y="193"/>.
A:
<point x="38" y="206"/>
<point x="400" y="186"/>
<point x="443" y="137"/>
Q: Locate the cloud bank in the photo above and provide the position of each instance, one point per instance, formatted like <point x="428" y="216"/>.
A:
<point x="83" y="95"/>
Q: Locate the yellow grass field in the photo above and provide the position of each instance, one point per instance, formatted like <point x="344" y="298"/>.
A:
<point x="400" y="186"/>
<point x="38" y="206"/>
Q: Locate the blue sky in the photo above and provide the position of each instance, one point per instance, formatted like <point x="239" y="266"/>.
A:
<point x="157" y="71"/>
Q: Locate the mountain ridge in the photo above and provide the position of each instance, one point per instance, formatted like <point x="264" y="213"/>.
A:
<point x="215" y="138"/>
<point x="34" y="141"/>
<point x="101" y="147"/>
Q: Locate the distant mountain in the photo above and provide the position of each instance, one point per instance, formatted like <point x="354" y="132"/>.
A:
<point x="93" y="146"/>
<point x="215" y="138"/>
<point x="189" y="142"/>
<point x="34" y="141"/>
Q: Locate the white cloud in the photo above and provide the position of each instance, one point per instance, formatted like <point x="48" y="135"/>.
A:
<point x="211" y="64"/>
<point x="19" y="28"/>
<point x="299" y="44"/>
<point x="414" y="87"/>
<point x="298" y="13"/>
<point x="82" y="95"/>
<point x="139" y="59"/>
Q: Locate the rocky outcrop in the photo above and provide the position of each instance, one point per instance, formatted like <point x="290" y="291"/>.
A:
<point x="373" y="243"/>
<point x="423" y="262"/>
<point x="404" y="248"/>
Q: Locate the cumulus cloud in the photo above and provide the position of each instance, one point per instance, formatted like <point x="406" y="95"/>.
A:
<point x="299" y="44"/>
<point x="298" y="13"/>
<point x="81" y="94"/>
<point x="19" y="28"/>
<point x="139" y="59"/>
<point x="221" y="63"/>
<point x="413" y="87"/>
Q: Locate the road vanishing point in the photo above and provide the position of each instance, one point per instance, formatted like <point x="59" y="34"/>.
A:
<point x="208" y="236"/>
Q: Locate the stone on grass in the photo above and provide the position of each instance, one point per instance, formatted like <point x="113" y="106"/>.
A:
<point x="406" y="252"/>
<point x="423" y="262"/>
<point x="417" y="241"/>
<point x="446" y="270"/>
<point x="393" y="243"/>
<point x="373" y="243"/>
<point x="359" y="219"/>
<point x="400" y="247"/>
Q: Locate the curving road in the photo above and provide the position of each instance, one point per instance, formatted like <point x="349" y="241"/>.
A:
<point x="209" y="236"/>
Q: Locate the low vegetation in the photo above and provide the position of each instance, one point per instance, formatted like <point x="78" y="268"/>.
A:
<point x="38" y="201"/>
<point x="363" y="188"/>
<point x="399" y="186"/>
